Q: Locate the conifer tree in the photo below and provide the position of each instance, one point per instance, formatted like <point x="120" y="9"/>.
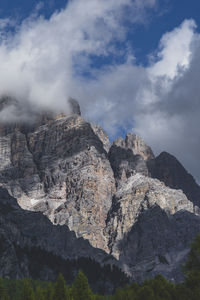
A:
<point x="3" y="291"/>
<point x="81" y="289"/>
<point x="48" y="292"/>
<point x="26" y="292"/>
<point x="192" y="270"/>
<point x="60" y="289"/>
<point x="146" y="293"/>
<point x="39" y="294"/>
<point x="193" y="262"/>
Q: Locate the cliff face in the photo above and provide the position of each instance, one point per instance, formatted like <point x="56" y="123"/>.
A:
<point x="168" y="169"/>
<point x="129" y="156"/>
<point x="31" y="229"/>
<point x="64" y="167"/>
<point x="139" y="194"/>
<point x="61" y="169"/>
<point x="31" y="246"/>
<point x="150" y="228"/>
<point x="158" y="243"/>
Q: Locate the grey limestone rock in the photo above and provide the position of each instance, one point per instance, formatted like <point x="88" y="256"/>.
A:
<point x="75" y="107"/>
<point x="31" y="246"/>
<point x="140" y="193"/>
<point x="138" y="146"/>
<point x="129" y="156"/>
<point x="60" y="167"/>
<point x="158" y="243"/>
<point x="168" y="169"/>
<point x="102" y="136"/>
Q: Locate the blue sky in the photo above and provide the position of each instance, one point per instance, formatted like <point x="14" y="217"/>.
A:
<point x="144" y="38"/>
<point x="133" y="65"/>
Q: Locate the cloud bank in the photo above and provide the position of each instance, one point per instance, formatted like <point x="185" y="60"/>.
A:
<point x="40" y="61"/>
<point x="43" y="62"/>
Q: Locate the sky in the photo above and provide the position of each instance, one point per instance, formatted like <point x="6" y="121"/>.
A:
<point x="133" y="65"/>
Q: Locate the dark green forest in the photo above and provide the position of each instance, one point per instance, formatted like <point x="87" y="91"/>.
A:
<point x="154" y="289"/>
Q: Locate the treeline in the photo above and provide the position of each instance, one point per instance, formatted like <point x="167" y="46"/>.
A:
<point x="154" y="289"/>
<point x="45" y="265"/>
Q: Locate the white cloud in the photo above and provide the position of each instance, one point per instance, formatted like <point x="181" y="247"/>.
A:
<point x="42" y="62"/>
<point x="38" y="62"/>
<point x="162" y="100"/>
<point x="174" y="50"/>
<point x="171" y="121"/>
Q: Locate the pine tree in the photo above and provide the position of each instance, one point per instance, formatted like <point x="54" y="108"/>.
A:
<point x="26" y="292"/>
<point x="146" y="293"/>
<point x="39" y="294"/>
<point x="3" y="291"/>
<point x="193" y="262"/>
<point x="69" y="293"/>
<point x="162" y="288"/>
<point x="81" y="289"/>
<point x="60" y="289"/>
<point x="192" y="270"/>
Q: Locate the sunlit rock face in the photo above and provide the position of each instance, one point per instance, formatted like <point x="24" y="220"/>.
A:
<point x="102" y="136"/>
<point x="61" y="165"/>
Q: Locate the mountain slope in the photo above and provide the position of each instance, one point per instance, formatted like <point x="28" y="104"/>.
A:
<point x="31" y="246"/>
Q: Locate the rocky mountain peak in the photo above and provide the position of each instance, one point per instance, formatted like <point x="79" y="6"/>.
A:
<point x="74" y="106"/>
<point x="47" y="117"/>
<point x="59" y="166"/>
<point x="17" y="112"/>
<point x="102" y="136"/>
<point x="129" y="156"/>
<point x="65" y="168"/>
<point x="169" y="170"/>
<point x="138" y="146"/>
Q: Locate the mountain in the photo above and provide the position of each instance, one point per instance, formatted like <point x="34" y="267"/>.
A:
<point x="168" y="169"/>
<point x="113" y="203"/>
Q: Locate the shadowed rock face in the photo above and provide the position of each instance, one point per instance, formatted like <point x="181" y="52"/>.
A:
<point x="33" y="229"/>
<point x="65" y="168"/>
<point x="31" y="246"/>
<point x="159" y="243"/>
<point x="138" y="146"/>
<point x="129" y="156"/>
<point x="138" y="194"/>
<point x="74" y="107"/>
<point x="168" y="169"/>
